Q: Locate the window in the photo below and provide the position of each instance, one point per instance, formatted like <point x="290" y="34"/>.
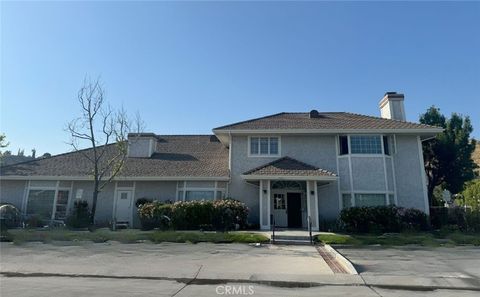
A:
<point x="343" y="145"/>
<point x="365" y="144"/>
<point x="370" y="200"/>
<point x="263" y="146"/>
<point x="62" y="203"/>
<point x="199" y="195"/>
<point x="274" y="146"/>
<point x="386" y="147"/>
<point x="40" y="203"/>
<point x="347" y="200"/>
<point x="279" y="201"/>
<point x="200" y="190"/>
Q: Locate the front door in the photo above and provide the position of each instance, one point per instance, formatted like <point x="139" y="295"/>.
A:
<point x="294" y="210"/>
<point x="123" y="208"/>
<point x="280" y="209"/>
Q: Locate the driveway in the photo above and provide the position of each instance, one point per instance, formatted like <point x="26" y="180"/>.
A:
<point x="442" y="267"/>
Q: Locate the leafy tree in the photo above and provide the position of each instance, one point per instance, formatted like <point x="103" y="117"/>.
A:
<point x="471" y="194"/>
<point x="448" y="157"/>
<point x="3" y="143"/>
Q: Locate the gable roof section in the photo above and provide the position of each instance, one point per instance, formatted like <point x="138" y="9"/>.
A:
<point x="177" y="156"/>
<point x="287" y="166"/>
<point x="325" y="121"/>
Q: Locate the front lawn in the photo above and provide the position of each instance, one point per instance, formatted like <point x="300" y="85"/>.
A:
<point x="398" y="239"/>
<point x="19" y="236"/>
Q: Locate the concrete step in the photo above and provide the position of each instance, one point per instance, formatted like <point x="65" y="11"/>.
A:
<point x="291" y="242"/>
<point x="291" y="237"/>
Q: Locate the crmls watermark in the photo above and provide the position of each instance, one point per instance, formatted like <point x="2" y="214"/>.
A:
<point x="234" y="290"/>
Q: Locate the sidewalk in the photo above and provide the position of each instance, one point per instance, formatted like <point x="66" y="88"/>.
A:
<point x="278" y="266"/>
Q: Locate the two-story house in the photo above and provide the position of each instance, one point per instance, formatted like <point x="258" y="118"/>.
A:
<point x="295" y="166"/>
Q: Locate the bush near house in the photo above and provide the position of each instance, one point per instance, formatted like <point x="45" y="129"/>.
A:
<point x="455" y="218"/>
<point x="80" y="216"/>
<point x="222" y="214"/>
<point x="381" y="219"/>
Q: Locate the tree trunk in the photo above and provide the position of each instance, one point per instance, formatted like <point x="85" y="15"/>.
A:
<point x="94" y="203"/>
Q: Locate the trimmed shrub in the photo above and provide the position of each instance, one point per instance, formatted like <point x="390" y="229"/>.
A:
<point x="225" y="214"/>
<point x="155" y="215"/>
<point x="466" y="220"/>
<point x="80" y="216"/>
<point x="381" y="219"/>
<point x="413" y="219"/>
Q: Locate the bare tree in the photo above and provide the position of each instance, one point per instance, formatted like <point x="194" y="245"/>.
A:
<point x="105" y="132"/>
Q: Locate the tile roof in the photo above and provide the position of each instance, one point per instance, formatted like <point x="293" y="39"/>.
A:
<point x="287" y="166"/>
<point x="325" y="120"/>
<point x="177" y="155"/>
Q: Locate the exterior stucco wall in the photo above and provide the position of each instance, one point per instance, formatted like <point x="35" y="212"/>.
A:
<point x="316" y="150"/>
<point x="155" y="190"/>
<point x="408" y="173"/>
<point x="328" y="204"/>
<point x="12" y="191"/>
<point x="368" y="174"/>
<point x="344" y="174"/>
<point x="104" y="212"/>
<point x="140" y="148"/>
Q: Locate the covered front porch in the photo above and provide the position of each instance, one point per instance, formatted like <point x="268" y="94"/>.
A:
<point x="288" y="193"/>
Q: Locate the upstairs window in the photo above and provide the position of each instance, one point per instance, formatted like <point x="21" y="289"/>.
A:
<point x="343" y="145"/>
<point x="365" y="144"/>
<point x="264" y="146"/>
<point x="386" y="147"/>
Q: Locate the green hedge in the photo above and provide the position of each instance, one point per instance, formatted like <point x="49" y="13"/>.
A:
<point x="455" y="218"/>
<point x="224" y="214"/>
<point x="381" y="219"/>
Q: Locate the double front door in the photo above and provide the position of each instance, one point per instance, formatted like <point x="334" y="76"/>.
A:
<point x="287" y="209"/>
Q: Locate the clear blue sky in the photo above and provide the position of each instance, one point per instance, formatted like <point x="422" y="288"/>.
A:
<point x="189" y="67"/>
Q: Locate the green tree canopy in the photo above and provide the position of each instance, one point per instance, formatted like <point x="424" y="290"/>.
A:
<point x="471" y="195"/>
<point x="448" y="157"/>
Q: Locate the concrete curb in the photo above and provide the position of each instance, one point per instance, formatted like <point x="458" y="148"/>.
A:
<point x="342" y="260"/>
<point x="423" y="284"/>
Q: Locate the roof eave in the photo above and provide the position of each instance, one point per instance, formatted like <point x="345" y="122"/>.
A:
<point x="420" y="131"/>
<point x="118" y="178"/>
<point x="288" y="177"/>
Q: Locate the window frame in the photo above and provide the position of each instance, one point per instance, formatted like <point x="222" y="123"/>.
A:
<point x="350" y="148"/>
<point x="56" y="189"/>
<point x="182" y="189"/>
<point x="389" y="197"/>
<point x="391" y="145"/>
<point x="259" y="154"/>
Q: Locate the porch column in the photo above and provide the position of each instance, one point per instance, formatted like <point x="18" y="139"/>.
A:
<point x="264" y="196"/>
<point x="312" y="203"/>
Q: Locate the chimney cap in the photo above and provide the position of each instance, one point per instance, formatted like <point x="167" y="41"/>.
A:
<point x="142" y="134"/>
<point x="393" y="95"/>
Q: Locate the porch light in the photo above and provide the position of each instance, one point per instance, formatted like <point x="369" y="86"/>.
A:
<point x="264" y="191"/>
<point x="312" y="192"/>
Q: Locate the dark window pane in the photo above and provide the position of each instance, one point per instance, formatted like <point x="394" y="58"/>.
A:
<point x="343" y="145"/>
<point x="385" y="145"/>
